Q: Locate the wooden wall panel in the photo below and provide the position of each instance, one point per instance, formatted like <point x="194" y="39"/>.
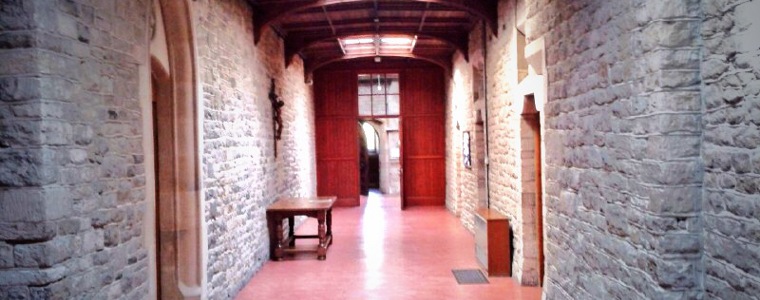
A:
<point x="336" y="133"/>
<point x="424" y="135"/>
<point x="426" y="183"/>
<point x="423" y="120"/>
<point x="335" y="94"/>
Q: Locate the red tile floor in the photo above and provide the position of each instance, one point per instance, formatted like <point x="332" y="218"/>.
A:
<point x="381" y="252"/>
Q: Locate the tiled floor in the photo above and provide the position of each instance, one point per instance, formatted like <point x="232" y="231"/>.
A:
<point x="381" y="252"/>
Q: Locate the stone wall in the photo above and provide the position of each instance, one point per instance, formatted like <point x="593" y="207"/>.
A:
<point x="460" y="199"/>
<point x="731" y="150"/>
<point x="241" y="175"/>
<point x="72" y="181"/>
<point x="504" y="120"/>
<point x="622" y="133"/>
<point x="462" y="106"/>
<point x="499" y="60"/>
<point x="650" y="119"/>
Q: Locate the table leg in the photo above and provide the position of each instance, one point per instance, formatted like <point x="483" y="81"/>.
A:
<point x="292" y="231"/>
<point x="279" y="251"/>
<point x="329" y="225"/>
<point x="272" y="236"/>
<point x="322" y="229"/>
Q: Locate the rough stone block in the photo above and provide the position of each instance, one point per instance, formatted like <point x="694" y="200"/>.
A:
<point x="34" y="205"/>
<point x="27" y="231"/>
<point x="27" y="277"/>
<point x="747" y="137"/>
<point x="6" y="256"/>
<point x="22" y="205"/>
<point x="680" y="244"/>
<point x="58" y="290"/>
<point x="92" y="241"/>
<point x="30" y="167"/>
<point x="15" y="293"/>
<point x="671" y="147"/>
<point x="670" y="34"/>
<point x="43" y="255"/>
<point x="111" y="235"/>
<point x="55" y="133"/>
<point x="659" y="10"/>
<point x="675" y="200"/>
<point x="672" y="59"/>
<point x="16" y="89"/>
<point x="676" y="274"/>
<point x="671" y="173"/>
<point x="20" y="133"/>
<point x="71" y="226"/>
<point x="17" y="15"/>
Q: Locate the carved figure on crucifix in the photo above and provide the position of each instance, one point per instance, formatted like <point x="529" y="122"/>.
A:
<point x="277" y="105"/>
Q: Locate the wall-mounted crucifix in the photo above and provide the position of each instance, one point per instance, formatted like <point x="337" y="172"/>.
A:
<point x="277" y="105"/>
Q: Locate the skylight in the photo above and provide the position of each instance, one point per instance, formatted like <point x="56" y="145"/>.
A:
<point x="378" y="45"/>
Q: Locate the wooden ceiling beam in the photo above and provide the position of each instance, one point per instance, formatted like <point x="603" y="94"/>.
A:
<point x="312" y="64"/>
<point x="266" y="13"/>
<point x="329" y="21"/>
<point x="295" y="44"/>
<point x="429" y="21"/>
<point x="424" y="16"/>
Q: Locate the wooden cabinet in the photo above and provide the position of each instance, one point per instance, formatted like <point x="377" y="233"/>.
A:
<point x="492" y="242"/>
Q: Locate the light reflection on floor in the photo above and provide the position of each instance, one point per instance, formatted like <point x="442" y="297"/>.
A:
<point x="373" y="235"/>
<point x="382" y="252"/>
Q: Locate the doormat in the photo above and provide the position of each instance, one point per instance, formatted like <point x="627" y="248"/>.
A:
<point x="469" y="276"/>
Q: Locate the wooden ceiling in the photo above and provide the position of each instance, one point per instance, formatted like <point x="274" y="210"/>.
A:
<point x="311" y="28"/>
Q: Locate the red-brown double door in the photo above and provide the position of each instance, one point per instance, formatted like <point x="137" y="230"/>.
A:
<point x="422" y="134"/>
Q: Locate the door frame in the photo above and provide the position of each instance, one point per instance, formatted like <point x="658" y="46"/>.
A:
<point x="178" y="209"/>
<point x="359" y="118"/>
<point x="397" y="69"/>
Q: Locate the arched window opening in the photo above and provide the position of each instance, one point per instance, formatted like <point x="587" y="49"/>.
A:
<point x="372" y="138"/>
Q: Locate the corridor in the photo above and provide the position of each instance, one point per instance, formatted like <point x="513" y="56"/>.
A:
<point x="142" y="141"/>
<point x="381" y="252"/>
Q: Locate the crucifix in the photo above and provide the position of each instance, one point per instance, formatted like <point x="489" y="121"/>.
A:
<point x="277" y="105"/>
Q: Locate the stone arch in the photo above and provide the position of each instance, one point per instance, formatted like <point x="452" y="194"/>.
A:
<point x="175" y="139"/>
<point x="389" y="184"/>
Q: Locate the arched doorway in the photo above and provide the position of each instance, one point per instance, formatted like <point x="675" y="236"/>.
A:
<point x="372" y="148"/>
<point x="175" y="150"/>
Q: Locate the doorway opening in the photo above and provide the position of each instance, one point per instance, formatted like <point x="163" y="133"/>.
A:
<point x="372" y="163"/>
<point x="379" y="109"/>
<point x="381" y="153"/>
<point x="530" y="128"/>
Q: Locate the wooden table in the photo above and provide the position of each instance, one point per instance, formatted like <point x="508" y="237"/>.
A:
<point x="317" y="207"/>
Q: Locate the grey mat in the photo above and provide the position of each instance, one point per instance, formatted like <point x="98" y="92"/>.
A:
<point x="470" y="276"/>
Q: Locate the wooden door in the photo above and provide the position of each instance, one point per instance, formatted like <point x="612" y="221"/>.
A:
<point x="336" y="133"/>
<point x="423" y="127"/>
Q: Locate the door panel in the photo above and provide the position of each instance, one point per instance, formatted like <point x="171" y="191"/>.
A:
<point x="425" y="133"/>
<point x="338" y="184"/>
<point x="427" y="185"/>
<point x="423" y="111"/>
<point x="336" y="135"/>
<point x="336" y="138"/>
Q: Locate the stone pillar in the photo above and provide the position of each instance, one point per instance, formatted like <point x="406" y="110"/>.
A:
<point x="71" y="185"/>
<point x="623" y="130"/>
<point x="731" y="148"/>
<point x="670" y="174"/>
